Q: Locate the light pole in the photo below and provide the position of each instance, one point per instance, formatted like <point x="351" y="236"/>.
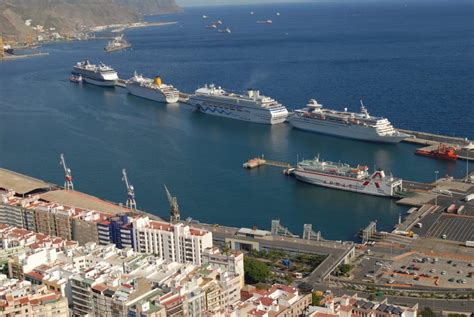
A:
<point x="436" y="184"/>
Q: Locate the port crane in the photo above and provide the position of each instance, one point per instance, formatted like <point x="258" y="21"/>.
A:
<point x="67" y="174"/>
<point x="174" y="209"/>
<point x="131" y="203"/>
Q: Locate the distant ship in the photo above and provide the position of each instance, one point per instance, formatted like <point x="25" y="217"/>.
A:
<point x="360" y="126"/>
<point x="117" y="44"/>
<point x="204" y="16"/>
<point x="100" y="75"/>
<point x="226" y="30"/>
<point x="152" y="89"/>
<point x="251" y="107"/>
<point x="344" y="177"/>
<point x="265" y="22"/>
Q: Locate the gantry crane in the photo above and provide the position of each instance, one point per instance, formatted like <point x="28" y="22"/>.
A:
<point x="67" y="174"/>
<point x="131" y="203"/>
<point x="174" y="209"/>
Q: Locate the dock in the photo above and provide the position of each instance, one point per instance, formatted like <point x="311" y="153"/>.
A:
<point x="260" y="161"/>
<point x="431" y="141"/>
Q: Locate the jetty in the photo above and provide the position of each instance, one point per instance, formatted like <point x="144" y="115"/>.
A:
<point x="260" y="161"/>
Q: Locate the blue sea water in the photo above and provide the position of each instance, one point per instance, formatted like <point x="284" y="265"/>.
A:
<point x="409" y="61"/>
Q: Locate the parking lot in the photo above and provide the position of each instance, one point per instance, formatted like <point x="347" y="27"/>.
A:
<point x="456" y="228"/>
<point x="416" y="270"/>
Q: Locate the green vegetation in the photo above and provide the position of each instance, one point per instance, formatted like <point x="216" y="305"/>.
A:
<point x="255" y="271"/>
<point x="316" y="298"/>
<point x="343" y="270"/>
<point x="426" y="312"/>
<point x="456" y="315"/>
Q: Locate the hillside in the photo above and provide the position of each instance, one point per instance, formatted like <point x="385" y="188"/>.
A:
<point x="67" y="16"/>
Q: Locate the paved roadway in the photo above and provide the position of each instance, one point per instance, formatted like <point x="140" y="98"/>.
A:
<point x="435" y="304"/>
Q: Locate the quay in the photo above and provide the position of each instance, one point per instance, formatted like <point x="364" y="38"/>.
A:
<point x="260" y="161"/>
<point x="12" y="57"/>
<point x="26" y="186"/>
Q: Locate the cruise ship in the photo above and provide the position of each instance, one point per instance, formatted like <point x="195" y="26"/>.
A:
<point x="360" y="126"/>
<point x="251" y="107"/>
<point x="344" y="177"/>
<point x="152" y="89"/>
<point x="100" y="75"/>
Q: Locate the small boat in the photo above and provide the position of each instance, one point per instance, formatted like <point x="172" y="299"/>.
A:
<point x="264" y="22"/>
<point x="75" y="79"/>
<point x="204" y="17"/>
<point x="226" y="30"/>
<point x="278" y="13"/>
<point x="442" y="152"/>
<point x="252" y="13"/>
<point x="212" y="26"/>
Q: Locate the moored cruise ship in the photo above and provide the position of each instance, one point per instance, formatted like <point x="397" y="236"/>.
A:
<point x="152" y="89"/>
<point x="251" y="107"/>
<point x="100" y="75"/>
<point x="344" y="177"/>
<point x="360" y="126"/>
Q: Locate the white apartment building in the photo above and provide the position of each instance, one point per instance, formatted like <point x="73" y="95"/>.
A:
<point x="172" y="242"/>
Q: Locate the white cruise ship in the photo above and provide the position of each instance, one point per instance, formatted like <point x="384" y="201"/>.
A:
<point x="152" y="89"/>
<point x="100" y="75"/>
<point x="360" y="126"/>
<point x="344" y="177"/>
<point x="251" y="107"/>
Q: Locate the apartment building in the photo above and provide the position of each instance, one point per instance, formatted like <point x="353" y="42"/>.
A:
<point x="21" y="298"/>
<point x="173" y="242"/>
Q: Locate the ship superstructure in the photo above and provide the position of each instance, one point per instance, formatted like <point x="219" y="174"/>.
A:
<point x="251" y="107"/>
<point x="152" y="89"/>
<point x="117" y="44"/>
<point x="344" y="177"/>
<point x="353" y="125"/>
<point x="100" y="75"/>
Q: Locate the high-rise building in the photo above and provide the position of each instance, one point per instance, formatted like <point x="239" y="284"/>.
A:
<point x="173" y="242"/>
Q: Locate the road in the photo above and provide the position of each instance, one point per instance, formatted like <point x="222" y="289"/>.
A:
<point x="436" y="305"/>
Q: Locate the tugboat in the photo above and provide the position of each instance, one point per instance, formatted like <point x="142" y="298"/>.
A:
<point x="442" y="152"/>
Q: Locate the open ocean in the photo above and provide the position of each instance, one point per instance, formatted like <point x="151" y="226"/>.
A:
<point x="411" y="62"/>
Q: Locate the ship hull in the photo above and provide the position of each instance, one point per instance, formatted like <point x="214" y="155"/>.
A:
<point x="368" y="187"/>
<point x="343" y="130"/>
<point x="151" y="94"/>
<point x="262" y="116"/>
<point x="95" y="78"/>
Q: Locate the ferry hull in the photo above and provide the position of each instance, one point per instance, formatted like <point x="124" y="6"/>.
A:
<point x="243" y="114"/>
<point x="344" y="131"/>
<point x="151" y="94"/>
<point x="345" y="184"/>
<point x="102" y="83"/>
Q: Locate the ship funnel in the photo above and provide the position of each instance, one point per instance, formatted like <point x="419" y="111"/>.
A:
<point x="157" y="81"/>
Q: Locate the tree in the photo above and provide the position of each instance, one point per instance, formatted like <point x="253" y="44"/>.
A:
<point x="345" y="268"/>
<point x="427" y="312"/>
<point x="316" y="298"/>
<point x="255" y="271"/>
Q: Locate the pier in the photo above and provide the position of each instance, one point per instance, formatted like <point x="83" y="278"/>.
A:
<point x="260" y="161"/>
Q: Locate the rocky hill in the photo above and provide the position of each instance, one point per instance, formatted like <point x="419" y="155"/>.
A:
<point x="73" y="15"/>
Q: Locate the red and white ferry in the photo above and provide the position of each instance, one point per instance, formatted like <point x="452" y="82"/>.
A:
<point x="344" y="177"/>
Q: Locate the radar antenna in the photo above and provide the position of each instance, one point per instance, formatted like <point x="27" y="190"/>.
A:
<point x="67" y="174"/>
